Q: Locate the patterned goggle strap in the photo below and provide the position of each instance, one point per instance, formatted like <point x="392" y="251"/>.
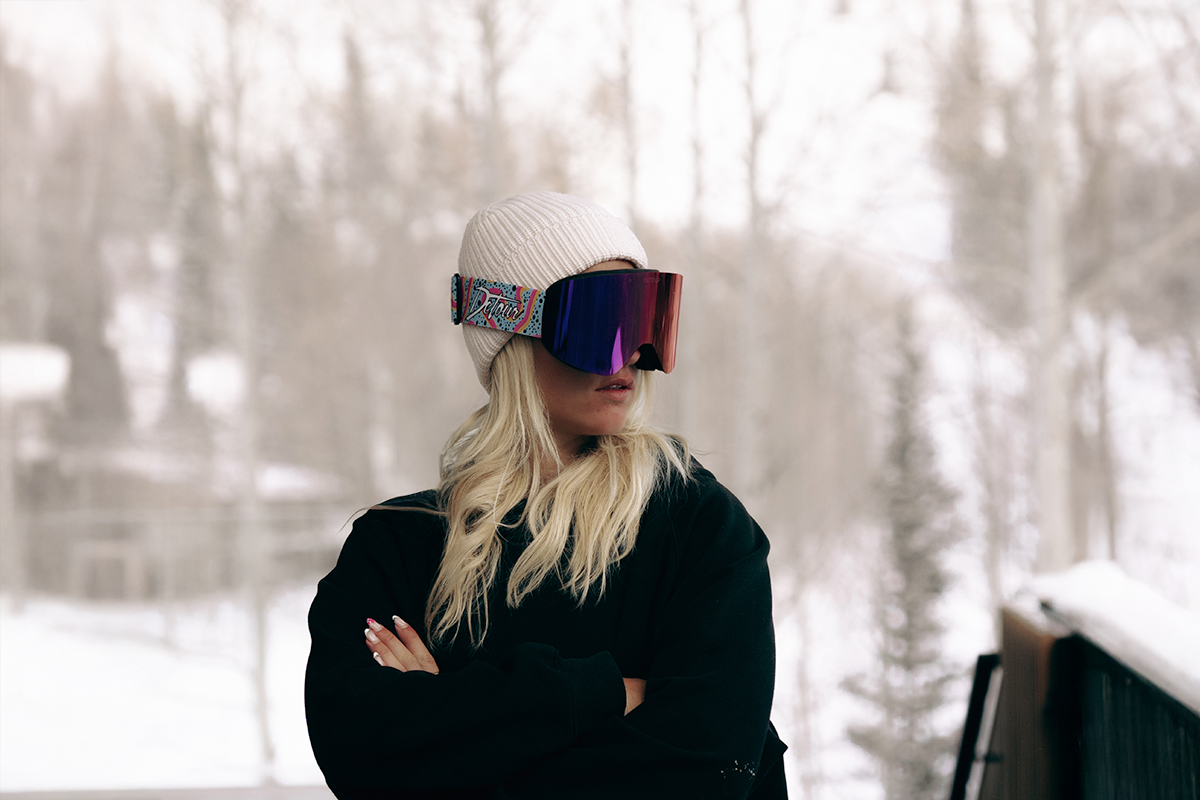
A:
<point x="496" y="305"/>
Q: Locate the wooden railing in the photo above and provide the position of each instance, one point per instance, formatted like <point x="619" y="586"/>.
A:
<point x="1069" y="721"/>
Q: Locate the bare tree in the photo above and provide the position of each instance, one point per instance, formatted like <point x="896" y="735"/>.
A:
<point x="503" y="30"/>
<point x="228" y="91"/>
<point x="90" y="197"/>
<point x="197" y="312"/>
<point x="998" y="463"/>
<point x="23" y="294"/>
<point x="629" y="114"/>
<point x="749" y="412"/>
<point x="1047" y="273"/>
<point x="689" y="341"/>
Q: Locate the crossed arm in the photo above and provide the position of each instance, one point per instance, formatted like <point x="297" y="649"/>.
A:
<point x="405" y="651"/>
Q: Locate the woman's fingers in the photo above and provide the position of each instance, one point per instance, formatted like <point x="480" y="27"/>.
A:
<point x="414" y="645"/>
<point x="390" y="649"/>
<point x="380" y="651"/>
<point x="405" y="654"/>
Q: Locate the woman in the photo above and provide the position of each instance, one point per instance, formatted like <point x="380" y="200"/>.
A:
<point x="579" y="610"/>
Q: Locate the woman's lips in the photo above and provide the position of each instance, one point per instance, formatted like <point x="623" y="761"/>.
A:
<point x="619" y="383"/>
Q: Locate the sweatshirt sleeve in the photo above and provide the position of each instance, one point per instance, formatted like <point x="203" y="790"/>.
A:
<point x="703" y="729"/>
<point x="376" y="730"/>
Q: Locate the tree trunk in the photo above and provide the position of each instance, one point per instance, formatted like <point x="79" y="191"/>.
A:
<point x="750" y="411"/>
<point x="1052" y="404"/>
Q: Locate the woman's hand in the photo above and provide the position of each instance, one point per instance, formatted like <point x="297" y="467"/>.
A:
<point x="635" y="693"/>
<point x="403" y="651"/>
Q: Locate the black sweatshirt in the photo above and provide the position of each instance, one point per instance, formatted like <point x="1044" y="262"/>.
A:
<point x="538" y="710"/>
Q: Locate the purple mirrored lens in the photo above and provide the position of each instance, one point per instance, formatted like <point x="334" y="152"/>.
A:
<point x="597" y="321"/>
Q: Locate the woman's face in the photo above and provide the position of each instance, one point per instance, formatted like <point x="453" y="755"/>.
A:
<point x="579" y="403"/>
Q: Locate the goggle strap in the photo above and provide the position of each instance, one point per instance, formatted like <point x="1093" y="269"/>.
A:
<point x="499" y="306"/>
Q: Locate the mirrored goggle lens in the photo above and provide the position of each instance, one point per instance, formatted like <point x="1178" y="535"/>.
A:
<point x="597" y="321"/>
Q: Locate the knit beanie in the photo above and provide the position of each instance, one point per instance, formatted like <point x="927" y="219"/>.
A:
<point x="533" y="240"/>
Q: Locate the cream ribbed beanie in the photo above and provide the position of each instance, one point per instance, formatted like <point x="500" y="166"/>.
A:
<point x="534" y="240"/>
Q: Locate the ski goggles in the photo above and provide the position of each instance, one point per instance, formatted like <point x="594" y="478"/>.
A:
<point x="594" y="321"/>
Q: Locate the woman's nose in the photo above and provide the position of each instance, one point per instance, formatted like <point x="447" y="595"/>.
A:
<point x="633" y="359"/>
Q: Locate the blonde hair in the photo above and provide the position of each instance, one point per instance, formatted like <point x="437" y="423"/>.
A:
<point x="583" y="520"/>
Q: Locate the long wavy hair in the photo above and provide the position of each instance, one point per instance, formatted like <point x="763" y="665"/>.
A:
<point x="583" y="520"/>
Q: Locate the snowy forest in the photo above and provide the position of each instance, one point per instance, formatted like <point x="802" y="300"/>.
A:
<point x="941" y="329"/>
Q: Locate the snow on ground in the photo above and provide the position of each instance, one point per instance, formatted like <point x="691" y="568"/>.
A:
<point x="102" y="683"/>
<point x="94" y="697"/>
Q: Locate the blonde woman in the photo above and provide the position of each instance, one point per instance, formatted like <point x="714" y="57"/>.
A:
<point x="579" y="610"/>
